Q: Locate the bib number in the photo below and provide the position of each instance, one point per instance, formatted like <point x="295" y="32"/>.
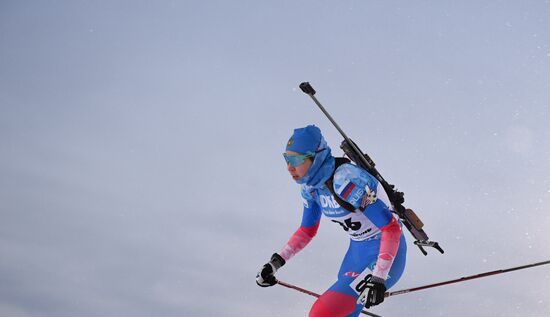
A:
<point x="348" y="224"/>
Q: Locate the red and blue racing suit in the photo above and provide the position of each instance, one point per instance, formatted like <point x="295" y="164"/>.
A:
<point x="377" y="244"/>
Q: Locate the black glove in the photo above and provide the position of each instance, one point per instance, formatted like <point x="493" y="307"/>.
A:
<point x="372" y="290"/>
<point x="266" y="276"/>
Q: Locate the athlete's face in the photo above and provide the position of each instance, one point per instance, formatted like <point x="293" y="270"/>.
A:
<point x="299" y="171"/>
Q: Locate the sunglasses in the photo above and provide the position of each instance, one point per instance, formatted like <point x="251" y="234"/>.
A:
<point x="299" y="159"/>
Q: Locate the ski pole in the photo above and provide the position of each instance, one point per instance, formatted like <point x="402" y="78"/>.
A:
<point x="305" y="291"/>
<point x="466" y="278"/>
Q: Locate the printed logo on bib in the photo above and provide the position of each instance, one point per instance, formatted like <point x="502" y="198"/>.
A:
<point x="328" y="201"/>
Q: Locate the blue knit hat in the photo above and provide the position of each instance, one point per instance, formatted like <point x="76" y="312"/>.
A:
<point x="304" y="140"/>
<point x="310" y="139"/>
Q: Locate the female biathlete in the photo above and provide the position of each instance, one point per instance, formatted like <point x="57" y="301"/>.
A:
<point x="375" y="259"/>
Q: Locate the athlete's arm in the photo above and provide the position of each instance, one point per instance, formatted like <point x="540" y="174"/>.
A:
<point x="308" y="229"/>
<point x="311" y="219"/>
<point x="389" y="245"/>
<point x="359" y="188"/>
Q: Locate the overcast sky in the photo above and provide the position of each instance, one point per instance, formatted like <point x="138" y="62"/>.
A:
<point x="140" y="150"/>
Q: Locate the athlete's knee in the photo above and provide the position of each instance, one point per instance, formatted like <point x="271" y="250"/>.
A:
<point x="333" y="304"/>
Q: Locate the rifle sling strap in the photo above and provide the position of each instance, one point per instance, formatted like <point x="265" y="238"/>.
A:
<point x="330" y="185"/>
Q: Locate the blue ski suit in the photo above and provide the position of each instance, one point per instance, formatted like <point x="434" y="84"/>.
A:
<point x="377" y="244"/>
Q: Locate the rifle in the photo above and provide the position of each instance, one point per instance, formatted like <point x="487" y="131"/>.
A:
<point x="407" y="216"/>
